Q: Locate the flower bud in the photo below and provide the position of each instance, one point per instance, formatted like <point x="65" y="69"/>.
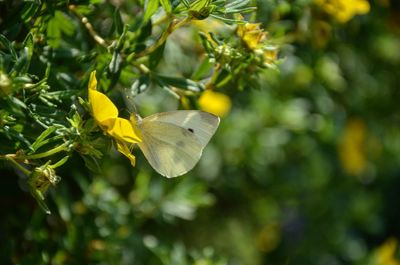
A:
<point x="42" y="177"/>
<point x="5" y="84"/>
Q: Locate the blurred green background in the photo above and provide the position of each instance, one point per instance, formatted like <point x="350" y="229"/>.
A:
<point x="304" y="169"/>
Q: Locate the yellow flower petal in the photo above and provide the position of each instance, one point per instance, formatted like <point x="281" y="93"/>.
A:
<point x="123" y="130"/>
<point x="124" y="149"/>
<point x="215" y="103"/>
<point x="92" y="81"/>
<point x="103" y="110"/>
<point x="351" y="147"/>
<point x="344" y="10"/>
<point x="251" y="34"/>
<point x="209" y="25"/>
<point x="106" y="115"/>
<point x="385" y="254"/>
<point x="270" y="55"/>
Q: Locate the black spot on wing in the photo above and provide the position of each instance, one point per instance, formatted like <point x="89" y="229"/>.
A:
<point x="190" y="130"/>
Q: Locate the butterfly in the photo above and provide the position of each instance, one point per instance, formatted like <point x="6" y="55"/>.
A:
<point x="173" y="141"/>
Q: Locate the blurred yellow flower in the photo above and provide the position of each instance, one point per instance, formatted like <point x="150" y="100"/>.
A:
<point x="209" y="25"/>
<point x="270" y="55"/>
<point x="351" y="147"/>
<point x="251" y="34"/>
<point x="214" y="102"/>
<point x="344" y="10"/>
<point x="321" y="33"/>
<point x="254" y="38"/>
<point x="269" y="237"/>
<point x="106" y="115"/>
<point x="385" y="253"/>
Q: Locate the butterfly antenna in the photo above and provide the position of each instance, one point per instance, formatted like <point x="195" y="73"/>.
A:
<point x="129" y="101"/>
<point x="132" y="104"/>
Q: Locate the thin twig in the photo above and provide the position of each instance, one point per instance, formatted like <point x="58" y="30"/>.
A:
<point x="89" y="27"/>
<point x="171" y="28"/>
<point x="17" y="165"/>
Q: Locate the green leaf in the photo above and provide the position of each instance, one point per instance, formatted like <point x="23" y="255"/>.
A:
<point x="58" y="24"/>
<point x="7" y="44"/>
<point x="118" y="23"/>
<point x="65" y="22"/>
<point x="166" y="4"/>
<point x="121" y="40"/>
<point x="53" y="33"/>
<point x="156" y="56"/>
<point x="17" y="103"/>
<point x="139" y="86"/>
<point x="38" y="196"/>
<point x="47" y="73"/>
<point x="241" y="10"/>
<point x="91" y="163"/>
<point x="29" y="11"/>
<point x="144" y="32"/>
<point x="60" y="162"/>
<point x="182" y="83"/>
<point x="237" y="4"/>
<point x="207" y="45"/>
<point x="150" y="8"/>
<point x="28" y="44"/>
<point x="186" y="3"/>
<point x="227" y="20"/>
<point x="116" y="62"/>
<point x="198" y="5"/>
<point x="13" y="134"/>
<point x="203" y="69"/>
<point x="200" y="9"/>
<point x="23" y="62"/>
<point x="40" y="140"/>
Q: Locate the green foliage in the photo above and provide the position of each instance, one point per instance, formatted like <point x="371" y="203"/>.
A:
<point x="303" y="170"/>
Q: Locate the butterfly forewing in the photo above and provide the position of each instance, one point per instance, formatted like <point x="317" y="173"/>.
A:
<point x="201" y="124"/>
<point x="173" y="141"/>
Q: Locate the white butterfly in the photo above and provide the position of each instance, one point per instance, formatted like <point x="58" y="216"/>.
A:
<point x="173" y="141"/>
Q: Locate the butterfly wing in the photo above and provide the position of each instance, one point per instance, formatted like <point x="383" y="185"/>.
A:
<point x="173" y="142"/>
<point x="170" y="149"/>
<point x="202" y="124"/>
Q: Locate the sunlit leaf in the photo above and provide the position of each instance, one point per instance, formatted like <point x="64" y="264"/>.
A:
<point x="150" y="8"/>
<point x="166" y="5"/>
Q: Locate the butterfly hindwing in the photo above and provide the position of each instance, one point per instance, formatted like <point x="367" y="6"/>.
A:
<point x="170" y="149"/>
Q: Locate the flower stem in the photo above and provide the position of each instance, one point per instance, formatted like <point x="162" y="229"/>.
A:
<point x="211" y="83"/>
<point x="50" y="152"/>
<point x="17" y="165"/>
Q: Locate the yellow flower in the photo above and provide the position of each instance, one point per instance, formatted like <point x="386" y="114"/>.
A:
<point x="386" y="252"/>
<point x="106" y="115"/>
<point x="254" y="38"/>
<point x="351" y="148"/>
<point x="209" y="25"/>
<point x="344" y="10"/>
<point x="215" y="103"/>
<point x="251" y="34"/>
<point x="270" y="55"/>
<point x="269" y="237"/>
